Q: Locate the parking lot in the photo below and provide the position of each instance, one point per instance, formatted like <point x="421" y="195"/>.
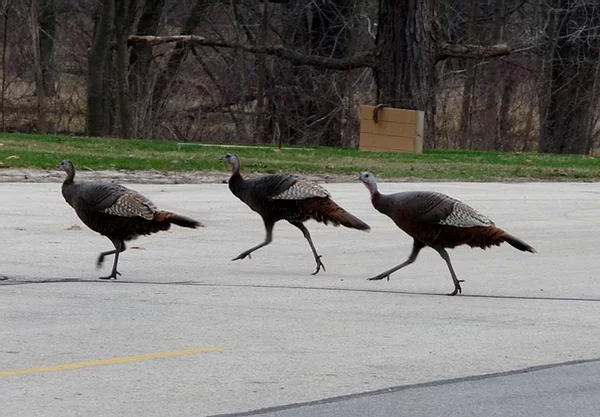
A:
<point x="187" y="332"/>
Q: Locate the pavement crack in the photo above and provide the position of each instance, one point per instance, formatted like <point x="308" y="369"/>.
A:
<point x="289" y="287"/>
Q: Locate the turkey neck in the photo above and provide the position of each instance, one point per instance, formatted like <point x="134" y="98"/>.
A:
<point x="235" y="181"/>
<point x="68" y="186"/>
<point x="70" y="176"/>
<point x="381" y="202"/>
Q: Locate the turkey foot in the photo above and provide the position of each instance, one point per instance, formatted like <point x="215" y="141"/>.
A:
<point x="380" y="276"/>
<point x="113" y="275"/>
<point x="319" y="265"/>
<point x="243" y="255"/>
<point x="457" y="288"/>
<point x="249" y="251"/>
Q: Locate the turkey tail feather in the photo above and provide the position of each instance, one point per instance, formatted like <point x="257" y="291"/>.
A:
<point x="178" y="219"/>
<point x="329" y="211"/>
<point x="517" y="243"/>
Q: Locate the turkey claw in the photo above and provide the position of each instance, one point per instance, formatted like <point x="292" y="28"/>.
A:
<point x="111" y="276"/>
<point x="242" y="256"/>
<point x="378" y="277"/>
<point x="457" y="288"/>
<point x="319" y="265"/>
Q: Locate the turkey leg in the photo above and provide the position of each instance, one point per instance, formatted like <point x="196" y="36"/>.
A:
<point x="268" y="239"/>
<point x="417" y="246"/>
<point x="444" y="254"/>
<point x="306" y="234"/>
<point x="119" y="247"/>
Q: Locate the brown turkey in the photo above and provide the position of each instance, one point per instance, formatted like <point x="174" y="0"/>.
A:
<point x="438" y="221"/>
<point x="284" y="197"/>
<point x="116" y="212"/>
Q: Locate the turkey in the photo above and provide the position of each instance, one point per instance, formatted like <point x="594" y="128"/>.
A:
<point x="284" y="197"/>
<point x="438" y="221"/>
<point x="116" y="212"/>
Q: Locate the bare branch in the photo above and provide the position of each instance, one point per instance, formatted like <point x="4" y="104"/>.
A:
<point x="159" y="40"/>
<point x="295" y="58"/>
<point x="451" y="50"/>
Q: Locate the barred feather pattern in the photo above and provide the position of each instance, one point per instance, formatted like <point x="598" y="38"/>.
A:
<point x="302" y="189"/>
<point x="132" y="204"/>
<point x="463" y="215"/>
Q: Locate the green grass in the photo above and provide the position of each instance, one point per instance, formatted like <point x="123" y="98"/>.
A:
<point x="46" y="151"/>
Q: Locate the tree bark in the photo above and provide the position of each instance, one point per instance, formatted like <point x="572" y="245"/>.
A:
<point x="47" y="33"/>
<point x="37" y="62"/>
<point x="492" y="135"/>
<point x="407" y="52"/>
<point x="5" y="14"/>
<point x="502" y="122"/>
<point x="96" y="124"/>
<point x="140" y="56"/>
<point x="260" y="124"/>
<point x="121" y="59"/>
<point x="470" y="80"/>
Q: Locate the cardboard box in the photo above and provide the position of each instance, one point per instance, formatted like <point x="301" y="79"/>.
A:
<point x="398" y="130"/>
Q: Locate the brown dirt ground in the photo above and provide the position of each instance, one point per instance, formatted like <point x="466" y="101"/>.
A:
<point x="143" y="177"/>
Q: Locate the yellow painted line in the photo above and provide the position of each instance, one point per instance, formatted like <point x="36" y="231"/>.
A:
<point x="126" y="359"/>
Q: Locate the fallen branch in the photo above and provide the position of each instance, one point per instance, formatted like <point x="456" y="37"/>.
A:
<point x="452" y="50"/>
<point x="447" y="50"/>
<point x="295" y="58"/>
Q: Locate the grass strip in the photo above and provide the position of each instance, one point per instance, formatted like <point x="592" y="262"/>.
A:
<point x="46" y="151"/>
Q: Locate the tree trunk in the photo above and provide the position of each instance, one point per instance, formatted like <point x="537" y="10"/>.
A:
<point x="47" y="33"/>
<point x="593" y="128"/>
<point x="502" y="122"/>
<point x="260" y="126"/>
<point x="492" y="136"/>
<point x="37" y="62"/>
<point x="97" y="62"/>
<point x="572" y="62"/>
<point x="178" y="55"/>
<point x="468" y="97"/>
<point x="5" y="10"/>
<point x="141" y="54"/>
<point x="406" y="56"/>
<point x="121" y="59"/>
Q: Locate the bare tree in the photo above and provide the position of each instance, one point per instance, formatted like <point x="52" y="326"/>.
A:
<point x="141" y="56"/>
<point x="39" y="70"/>
<point x="122" y="32"/>
<point x="6" y="8"/>
<point x="179" y="53"/>
<point x="47" y="33"/>
<point x="98" y="121"/>
<point x="570" y="74"/>
<point x="509" y="74"/>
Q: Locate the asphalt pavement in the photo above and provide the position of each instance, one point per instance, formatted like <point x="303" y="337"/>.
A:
<point x="187" y="332"/>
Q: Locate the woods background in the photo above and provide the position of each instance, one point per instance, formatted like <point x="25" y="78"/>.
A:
<point x="510" y="75"/>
